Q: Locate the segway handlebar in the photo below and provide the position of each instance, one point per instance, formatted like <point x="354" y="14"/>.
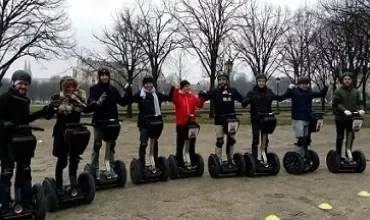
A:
<point x="30" y="127"/>
<point x="109" y="120"/>
<point x="231" y="114"/>
<point x="153" y="116"/>
<point x="267" y="114"/>
<point x="192" y="116"/>
<point x="72" y="125"/>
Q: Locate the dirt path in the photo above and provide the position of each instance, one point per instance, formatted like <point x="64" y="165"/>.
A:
<point x="287" y="196"/>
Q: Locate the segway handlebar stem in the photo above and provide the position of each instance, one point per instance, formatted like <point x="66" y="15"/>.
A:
<point x="30" y="127"/>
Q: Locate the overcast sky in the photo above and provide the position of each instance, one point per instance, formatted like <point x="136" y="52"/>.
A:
<point x="90" y="16"/>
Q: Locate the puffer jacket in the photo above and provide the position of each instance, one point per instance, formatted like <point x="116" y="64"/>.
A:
<point x="185" y="105"/>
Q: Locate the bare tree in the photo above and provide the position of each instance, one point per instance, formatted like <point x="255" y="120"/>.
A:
<point x="260" y="30"/>
<point x="156" y="35"/>
<point x="35" y="28"/>
<point x="204" y="24"/>
<point x="178" y="67"/>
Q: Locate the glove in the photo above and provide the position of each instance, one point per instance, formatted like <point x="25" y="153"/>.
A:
<point x="291" y="86"/>
<point x="55" y="97"/>
<point x="101" y="99"/>
<point x="348" y="113"/>
<point x="361" y="112"/>
<point x="203" y="94"/>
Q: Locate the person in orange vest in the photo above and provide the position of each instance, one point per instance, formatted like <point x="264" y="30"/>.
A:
<point x="185" y="105"/>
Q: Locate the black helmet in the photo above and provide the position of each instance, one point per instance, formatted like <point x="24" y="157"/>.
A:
<point x="261" y="76"/>
<point x="103" y="71"/>
<point x="21" y="75"/>
<point x="304" y="80"/>
<point x="62" y="80"/>
<point x="148" y="79"/>
<point x="223" y="75"/>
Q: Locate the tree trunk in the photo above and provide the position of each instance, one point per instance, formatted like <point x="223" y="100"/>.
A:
<point x="211" y="105"/>
<point x="129" y="106"/>
<point x="364" y="97"/>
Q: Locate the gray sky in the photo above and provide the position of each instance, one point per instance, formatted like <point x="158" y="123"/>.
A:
<point x="90" y="16"/>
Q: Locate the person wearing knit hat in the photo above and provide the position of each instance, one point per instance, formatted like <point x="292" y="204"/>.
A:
<point x="223" y="97"/>
<point x="15" y="111"/>
<point x="186" y="104"/>
<point x="260" y="100"/>
<point x="107" y="97"/>
<point x="346" y="99"/>
<point x="149" y="104"/>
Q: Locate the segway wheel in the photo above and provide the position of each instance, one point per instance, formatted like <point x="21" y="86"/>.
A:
<point x="39" y="213"/>
<point x="360" y="158"/>
<point x="240" y="162"/>
<point x="200" y="164"/>
<point x="250" y="165"/>
<point x="162" y="165"/>
<point x="87" y="184"/>
<point x="333" y="161"/>
<point x="172" y="164"/>
<point x="315" y="160"/>
<point x="273" y="160"/>
<point x="293" y="163"/>
<point x="136" y="171"/>
<point x="214" y="167"/>
<point x="88" y="168"/>
<point x="120" y="169"/>
<point x="52" y="200"/>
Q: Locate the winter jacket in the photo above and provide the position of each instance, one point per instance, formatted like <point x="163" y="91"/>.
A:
<point x="16" y="109"/>
<point x="72" y="116"/>
<point x="109" y="108"/>
<point x="146" y="106"/>
<point x="223" y="102"/>
<point x="260" y="100"/>
<point x="185" y="105"/>
<point x="302" y="102"/>
<point x="346" y="99"/>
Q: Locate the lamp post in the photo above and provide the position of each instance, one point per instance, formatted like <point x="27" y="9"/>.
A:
<point x="277" y="91"/>
<point x="229" y="66"/>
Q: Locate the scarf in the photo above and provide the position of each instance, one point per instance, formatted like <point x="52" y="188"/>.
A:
<point x="143" y="93"/>
<point x="74" y="102"/>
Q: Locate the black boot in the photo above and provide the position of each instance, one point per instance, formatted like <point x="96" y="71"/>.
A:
<point x="18" y="208"/>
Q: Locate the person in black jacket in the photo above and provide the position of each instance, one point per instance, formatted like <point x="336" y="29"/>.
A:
<point x="68" y="106"/>
<point x="149" y="104"/>
<point x="260" y="99"/>
<point x="223" y="97"/>
<point x="14" y="111"/>
<point x="107" y="97"/>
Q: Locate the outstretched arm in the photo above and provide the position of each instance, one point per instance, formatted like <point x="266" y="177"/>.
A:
<point x="237" y="96"/>
<point x="320" y="94"/>
<point x="247" y="100"/>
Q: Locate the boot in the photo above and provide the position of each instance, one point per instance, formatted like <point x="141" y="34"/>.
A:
<point x="18" y="208"/>
<point x="112" y="165"/>
<point x="95" y="164"/>
<point x="218" y="152"/>
<point x="73" y="188"/>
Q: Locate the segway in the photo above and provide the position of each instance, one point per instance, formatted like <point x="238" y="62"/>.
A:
<point x="293" y="162"/>
<point x="21" y="148"/>
<point x="157" y="169"/>
<point x="348" y="162"/>
<point x="236" y="166"/>
<point x="190" y="168"/>
<point x="269" y="162"/>
<point x="77" y="138"/>
<point x="110" y="130"/>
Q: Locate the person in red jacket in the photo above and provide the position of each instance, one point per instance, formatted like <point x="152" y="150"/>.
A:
<point x="185" y="104"/>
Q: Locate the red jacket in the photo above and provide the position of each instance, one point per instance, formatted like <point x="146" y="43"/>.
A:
<point x="185" y="104"/>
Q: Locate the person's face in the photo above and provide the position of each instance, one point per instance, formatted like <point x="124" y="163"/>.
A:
<point x="22" y="87"/>
<point x="304" y="86"/>
<point x="186" y="89"/>
<point x="347" y="81"/>
<point x="222" y="81"/>
<point x="261" y="83"/>
<point x="104" y="78"/>
<point x="148" y="86"/>
<point x="70" y="89"/>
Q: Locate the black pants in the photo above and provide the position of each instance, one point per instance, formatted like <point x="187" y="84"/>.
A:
<point x="144" y="137"/>
<point x="256" y="131"/>
<point x="23" y="180"/>
<point x="61" y="151"/>
<point x="182" y="136"/>
<point x="341" y="127"/>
